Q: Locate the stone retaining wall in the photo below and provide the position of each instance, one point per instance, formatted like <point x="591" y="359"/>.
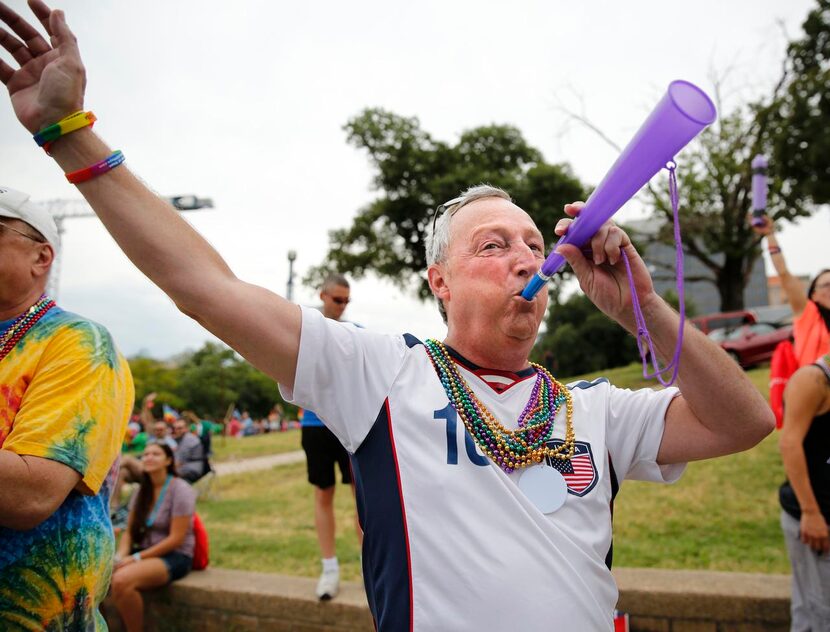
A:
<point x="657" y="600"/>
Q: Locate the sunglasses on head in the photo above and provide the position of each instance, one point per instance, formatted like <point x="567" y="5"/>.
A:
<point x="442" y="208"/>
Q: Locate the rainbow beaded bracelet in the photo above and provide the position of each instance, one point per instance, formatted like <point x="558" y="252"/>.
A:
<point x="72" y="123"/>
<point x="93" y="171"/>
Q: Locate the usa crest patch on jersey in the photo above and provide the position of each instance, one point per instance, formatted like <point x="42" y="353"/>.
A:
<point x="580" y="472"/>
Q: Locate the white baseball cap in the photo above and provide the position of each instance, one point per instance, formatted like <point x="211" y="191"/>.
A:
<point x="17" y="205"/>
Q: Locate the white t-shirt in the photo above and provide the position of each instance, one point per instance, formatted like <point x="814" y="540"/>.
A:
<point x="451" y="542"/>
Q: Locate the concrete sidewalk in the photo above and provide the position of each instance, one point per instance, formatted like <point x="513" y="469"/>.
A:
<point x="258" y="463"/>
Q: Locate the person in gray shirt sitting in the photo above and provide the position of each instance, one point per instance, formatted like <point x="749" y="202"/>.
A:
<point x="190" y="455"/>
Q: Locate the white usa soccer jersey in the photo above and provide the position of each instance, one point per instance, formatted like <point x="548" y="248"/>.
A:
<point x="451" y="543"/>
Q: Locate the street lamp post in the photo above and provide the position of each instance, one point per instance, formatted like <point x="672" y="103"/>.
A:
<point x="289" y="292"/>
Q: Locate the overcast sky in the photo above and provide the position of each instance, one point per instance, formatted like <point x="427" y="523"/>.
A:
<point x="244" y="102"/>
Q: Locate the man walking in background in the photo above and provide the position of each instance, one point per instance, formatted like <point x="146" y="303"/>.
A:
<point x="323" y="451"/>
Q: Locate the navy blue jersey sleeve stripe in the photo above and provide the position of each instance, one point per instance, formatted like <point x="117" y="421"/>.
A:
<point x="386" y="564"/>
<point x="411" y="341"/>
<point x="584" y="385"/>
<point x="615" y="488"/>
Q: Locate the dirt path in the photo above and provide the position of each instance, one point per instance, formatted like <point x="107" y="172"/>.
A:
<point x="258" y="463"/>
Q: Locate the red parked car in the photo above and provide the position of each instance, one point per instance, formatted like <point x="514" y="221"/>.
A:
<point x="753" y="343"/>
<point x="723" y="320"/>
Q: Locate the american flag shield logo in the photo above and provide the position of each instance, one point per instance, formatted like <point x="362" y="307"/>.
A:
<point x="580" y="473"/>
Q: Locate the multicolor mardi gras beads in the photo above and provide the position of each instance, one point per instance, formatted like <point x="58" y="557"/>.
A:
<point x="24" y="323"/>
<point x="520" y="447"/>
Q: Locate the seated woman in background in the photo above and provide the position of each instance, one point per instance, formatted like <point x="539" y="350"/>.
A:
<point x="157" y="546"/>
<point x="811" y="310"/>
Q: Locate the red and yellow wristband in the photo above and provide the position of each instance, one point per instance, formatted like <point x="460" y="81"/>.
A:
<point x="99" y="168"/>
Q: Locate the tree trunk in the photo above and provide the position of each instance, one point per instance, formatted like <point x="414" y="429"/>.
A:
<point x="731" y="284"/>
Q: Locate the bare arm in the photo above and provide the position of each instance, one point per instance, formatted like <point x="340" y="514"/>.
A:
<point x="792" y="286"/>
<point x="804" y="398"/>
<point x="32" y="489"/>
<point x="178" y="531"/>
<point x="146" y="412"/>
<point x="49" y="85"/>
<point x="719" y="411"/>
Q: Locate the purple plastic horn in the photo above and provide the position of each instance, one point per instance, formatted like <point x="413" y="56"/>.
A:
<point x="759" y="190"/>
<point x="680" y="115"/>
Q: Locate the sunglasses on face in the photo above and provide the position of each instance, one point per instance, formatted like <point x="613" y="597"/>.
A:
<point x="20" y="232"/>
<point x="339" y="300"/>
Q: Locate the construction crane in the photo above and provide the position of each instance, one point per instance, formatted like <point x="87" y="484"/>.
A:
<point x="62" y="210"/>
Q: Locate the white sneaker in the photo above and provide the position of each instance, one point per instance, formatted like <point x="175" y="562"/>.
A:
<point x="329" y="585"/>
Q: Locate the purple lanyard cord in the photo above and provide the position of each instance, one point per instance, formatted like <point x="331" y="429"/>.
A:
<point x="644" y="342"/>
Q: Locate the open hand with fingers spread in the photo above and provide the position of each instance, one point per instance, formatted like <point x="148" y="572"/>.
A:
<point x="50" y="82"/>
<point x="601" y="274"/>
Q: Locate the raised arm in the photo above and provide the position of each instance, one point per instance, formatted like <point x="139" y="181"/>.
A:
<point x="719" y="411"/>
<point x="49" y="85"/>
<point x="792" y="286"/>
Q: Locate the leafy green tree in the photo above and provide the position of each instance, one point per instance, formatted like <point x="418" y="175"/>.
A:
<point x="154" y="376"/>
<point x="414" y="173"/>
<point x="256" y="392"/>
<point x="800" y="113"/>
<point x="792" y="127"/>
<point x="207" y="381"/>
<point x="582" y="339"/>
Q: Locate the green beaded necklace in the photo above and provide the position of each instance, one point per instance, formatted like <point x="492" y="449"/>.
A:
<point x="509" y="449"/>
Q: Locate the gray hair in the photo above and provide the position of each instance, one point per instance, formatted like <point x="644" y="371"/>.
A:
<point x="333" y="280"/>
<point x="437" y="241"/>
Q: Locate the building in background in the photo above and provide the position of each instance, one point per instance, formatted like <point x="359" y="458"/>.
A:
<point x="660" y="260"/>
<point x="776" y="294"/>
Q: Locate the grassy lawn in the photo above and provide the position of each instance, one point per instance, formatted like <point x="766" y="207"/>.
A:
<point x="264" y="521"/>
<point x="232" y="448"/>
<point x="722" y="515"/>
<point x="631" y="376"/>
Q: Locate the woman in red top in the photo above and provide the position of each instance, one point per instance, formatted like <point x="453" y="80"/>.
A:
<point x="811" y="310"/>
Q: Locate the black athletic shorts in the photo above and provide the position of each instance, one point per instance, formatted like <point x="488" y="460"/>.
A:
<point x="323" y="450"/>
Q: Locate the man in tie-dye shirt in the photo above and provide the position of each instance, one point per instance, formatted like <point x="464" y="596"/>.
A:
<point x="65" y="396"/>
